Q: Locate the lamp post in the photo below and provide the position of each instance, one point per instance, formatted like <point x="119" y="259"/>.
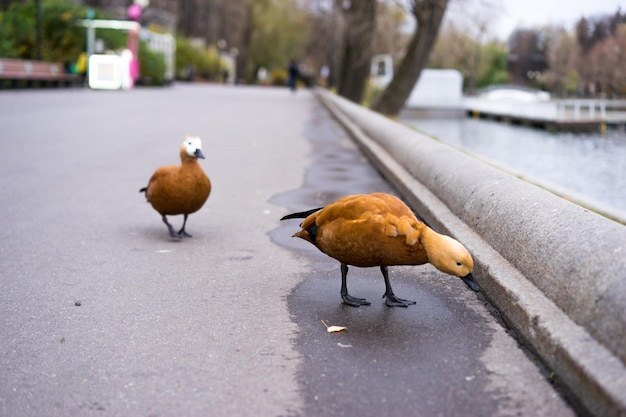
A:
<point x="38" y="18"/>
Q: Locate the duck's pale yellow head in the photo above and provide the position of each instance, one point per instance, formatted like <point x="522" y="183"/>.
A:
<point x="450" y="256"/>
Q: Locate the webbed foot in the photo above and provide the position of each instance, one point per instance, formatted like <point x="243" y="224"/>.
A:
<point x="170" y="229"/>
<point x="392" y="301"/>
<point x="181" y="232"/>
<point x="354" y="301"/>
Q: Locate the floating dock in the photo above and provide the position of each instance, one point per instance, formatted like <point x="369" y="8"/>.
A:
<point x="553" y="115"/>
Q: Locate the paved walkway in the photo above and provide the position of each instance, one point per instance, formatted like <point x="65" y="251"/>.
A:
<point x="226" y="323"/>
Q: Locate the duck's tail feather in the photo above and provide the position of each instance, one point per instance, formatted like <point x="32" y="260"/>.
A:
<point x="143" y="190"/>
<point x="302" y="214"/>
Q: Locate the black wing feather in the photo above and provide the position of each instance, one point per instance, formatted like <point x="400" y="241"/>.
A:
<point x="302" y="214"/>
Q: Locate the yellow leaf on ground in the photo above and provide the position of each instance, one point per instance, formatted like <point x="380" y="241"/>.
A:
<point x="333" y="329"/>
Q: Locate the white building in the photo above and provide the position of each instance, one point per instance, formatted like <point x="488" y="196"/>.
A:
<point x="435" y="89"/>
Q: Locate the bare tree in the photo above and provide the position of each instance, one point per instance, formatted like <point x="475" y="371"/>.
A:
<point x="600" y="54"/>
<point x="561" y="55"/>
<point x="620" y="69"/>
<point x="606" y="60"/>
<point x="467" y="26"/>
<point x="360" y="24"/>
<point x="389" y="38"/>
<point x="323" y="48"/>
<point x="428" y="15"/>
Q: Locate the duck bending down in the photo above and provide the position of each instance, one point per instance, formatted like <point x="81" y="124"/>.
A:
<point x="380" y="230"/>
<point x="180" y="189"/>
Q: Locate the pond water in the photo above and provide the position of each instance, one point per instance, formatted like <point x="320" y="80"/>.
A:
<point x="588" y="167"/>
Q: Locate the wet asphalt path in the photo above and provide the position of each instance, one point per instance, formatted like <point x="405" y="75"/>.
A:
<point x="103" y="314"/>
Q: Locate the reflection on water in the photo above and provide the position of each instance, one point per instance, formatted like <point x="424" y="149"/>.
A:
<point x="582" y="164"/>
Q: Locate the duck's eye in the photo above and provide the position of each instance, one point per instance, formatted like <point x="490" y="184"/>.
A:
<point x="459" y="264"/>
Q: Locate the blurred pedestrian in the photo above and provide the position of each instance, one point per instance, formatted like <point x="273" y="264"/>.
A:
<point x="294" y="73"/>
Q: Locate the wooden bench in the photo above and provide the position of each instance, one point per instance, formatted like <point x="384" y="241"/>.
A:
<point x="26" y="73"/>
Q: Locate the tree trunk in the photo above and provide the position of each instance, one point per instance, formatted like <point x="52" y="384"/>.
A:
<point x="356" y="55"/>
<point x="428" y="14"/>
<point x="243" y="55"/>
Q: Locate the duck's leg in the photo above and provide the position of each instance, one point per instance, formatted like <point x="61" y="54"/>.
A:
<point x="169" y="227"/>
<point x="390" y="299"/>
<point x="181" y="232"/>
<point x="347" y="298"/>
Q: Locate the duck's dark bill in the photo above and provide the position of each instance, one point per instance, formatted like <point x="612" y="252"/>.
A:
<point x="469" y="280"/>
<point x="199" y="154"/>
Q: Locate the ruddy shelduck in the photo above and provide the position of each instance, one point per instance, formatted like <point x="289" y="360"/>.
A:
<point x="180" y="189"/>
<point x="378" y="229"/>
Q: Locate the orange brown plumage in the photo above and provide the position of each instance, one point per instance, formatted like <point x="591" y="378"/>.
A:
<point x="380" y="230"/>
<point x="180" y="189"/>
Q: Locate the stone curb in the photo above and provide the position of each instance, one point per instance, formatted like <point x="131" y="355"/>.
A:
<point x="553" y="269"/>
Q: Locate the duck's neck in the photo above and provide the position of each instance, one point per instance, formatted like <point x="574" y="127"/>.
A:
<point x="431" y="241"/>
<point x="188" y="161"/>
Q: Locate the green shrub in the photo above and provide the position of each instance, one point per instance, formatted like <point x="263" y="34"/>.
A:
<point x="151" y="66"/>
<point x="61" y="39"/>
<point x="279" y="77"/>
<point x="195" y="62"/>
